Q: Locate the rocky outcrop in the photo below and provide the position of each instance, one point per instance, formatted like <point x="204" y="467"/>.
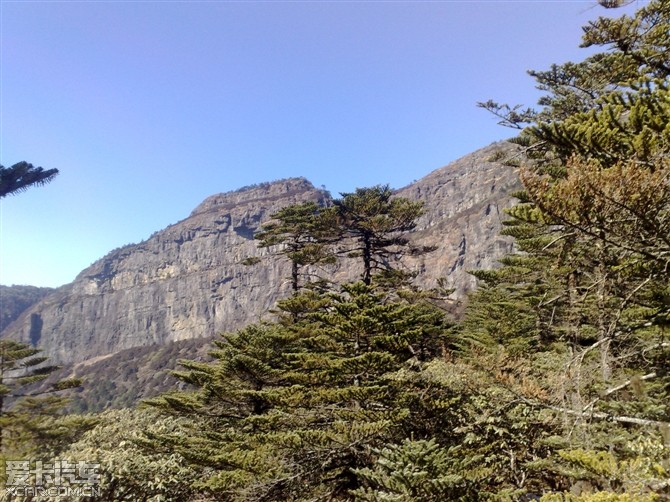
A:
<point x="190" y="279"/>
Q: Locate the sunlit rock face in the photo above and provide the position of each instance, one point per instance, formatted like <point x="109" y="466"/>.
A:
<point x="464" y="208"/>
<point x="190" y="280"/>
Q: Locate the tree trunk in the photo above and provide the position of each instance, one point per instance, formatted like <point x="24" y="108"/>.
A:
<point x="294" y="276"/>
<point x="367" y="259"/>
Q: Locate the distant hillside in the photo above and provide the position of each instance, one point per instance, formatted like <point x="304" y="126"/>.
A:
<point x="15" y="299"/>
<point x="125" y="378"/>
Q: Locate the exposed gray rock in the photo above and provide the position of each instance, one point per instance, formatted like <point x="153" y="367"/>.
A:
<point x="189" y="280"/>
<point x="184" y="282"/>
<point x="464" y="203"/>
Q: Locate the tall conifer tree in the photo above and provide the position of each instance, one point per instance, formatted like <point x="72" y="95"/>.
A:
<point x="593" y="223"/>
<point x="302" y="233"/>
<point x="376" y="222"/>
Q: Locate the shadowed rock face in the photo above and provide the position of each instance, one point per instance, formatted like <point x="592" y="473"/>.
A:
<point x="15" y="299"/>
<point x="189" y="280"/>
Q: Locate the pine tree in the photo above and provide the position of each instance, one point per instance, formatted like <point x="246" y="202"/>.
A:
<point x="235" y="393"/>
<point x="301" y="232"/>
<point x="31" y="417"/>
<point x="289" y="408"/>
<point x="581" y="314"/>
<point x="376" y="222"/>
<point x="412" y="471"/>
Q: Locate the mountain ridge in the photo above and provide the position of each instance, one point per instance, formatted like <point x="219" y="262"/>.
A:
<point x="189" y="279"/>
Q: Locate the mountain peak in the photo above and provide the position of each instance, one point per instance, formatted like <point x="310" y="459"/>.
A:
<point x="266" y="191"/>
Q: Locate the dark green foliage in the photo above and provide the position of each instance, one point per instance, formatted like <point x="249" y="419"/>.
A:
<point x="369" y="224"/>
<point x="377" y="223"/>
<point x="643" y="38"/>
<point x="20" y="366"/>
<point x="611" y="107"/>
<point x="411" y="471"/>
<point x="31" y="419"/>
<point x="625" y="125"/>
<point x="21" y="176"/>
<point x="253" y="260"/>
<point x="577" y="320"/>
<point x="301" y="233"/>
<point x="38" y="427"/>
<point x="298" y="403"/>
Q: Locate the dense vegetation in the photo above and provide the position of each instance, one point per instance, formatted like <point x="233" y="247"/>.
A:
<point x="555" y="383"/>
<point x="31" y="421"/>
<point x="123" y="379"/>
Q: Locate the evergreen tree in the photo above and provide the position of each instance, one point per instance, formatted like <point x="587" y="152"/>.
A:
<point x="290" y="408"/>
<point x="241" y="387"/>
<point x="413" y="471"/>
<point x="301" y="232"/>
<point x="32" y="421"/>
<point x="376" y="222"/>
<point x="580" y="315"/>
<point x="21" y="367"/>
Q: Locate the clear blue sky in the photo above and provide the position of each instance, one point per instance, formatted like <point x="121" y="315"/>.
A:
<point x="149" y="107"/>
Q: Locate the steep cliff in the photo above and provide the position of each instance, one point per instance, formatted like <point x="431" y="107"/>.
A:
<point x="186" y="281"/>
<point x="464" y="203"/>
<point x="189" y="280"/>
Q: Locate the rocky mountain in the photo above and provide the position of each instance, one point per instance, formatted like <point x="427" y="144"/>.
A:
<point x="190" y="280"/>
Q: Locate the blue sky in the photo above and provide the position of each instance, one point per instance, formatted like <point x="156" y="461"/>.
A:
<point x="148" y="107"/>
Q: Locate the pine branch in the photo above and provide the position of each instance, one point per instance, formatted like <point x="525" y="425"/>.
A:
<point x="612" y="390"/>
<point x="597" y="415"/>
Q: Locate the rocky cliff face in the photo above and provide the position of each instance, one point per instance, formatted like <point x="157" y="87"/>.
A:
<point x="464" y="203"/>
<point x="189" y="280"/>
<point x="185" y="281"/>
